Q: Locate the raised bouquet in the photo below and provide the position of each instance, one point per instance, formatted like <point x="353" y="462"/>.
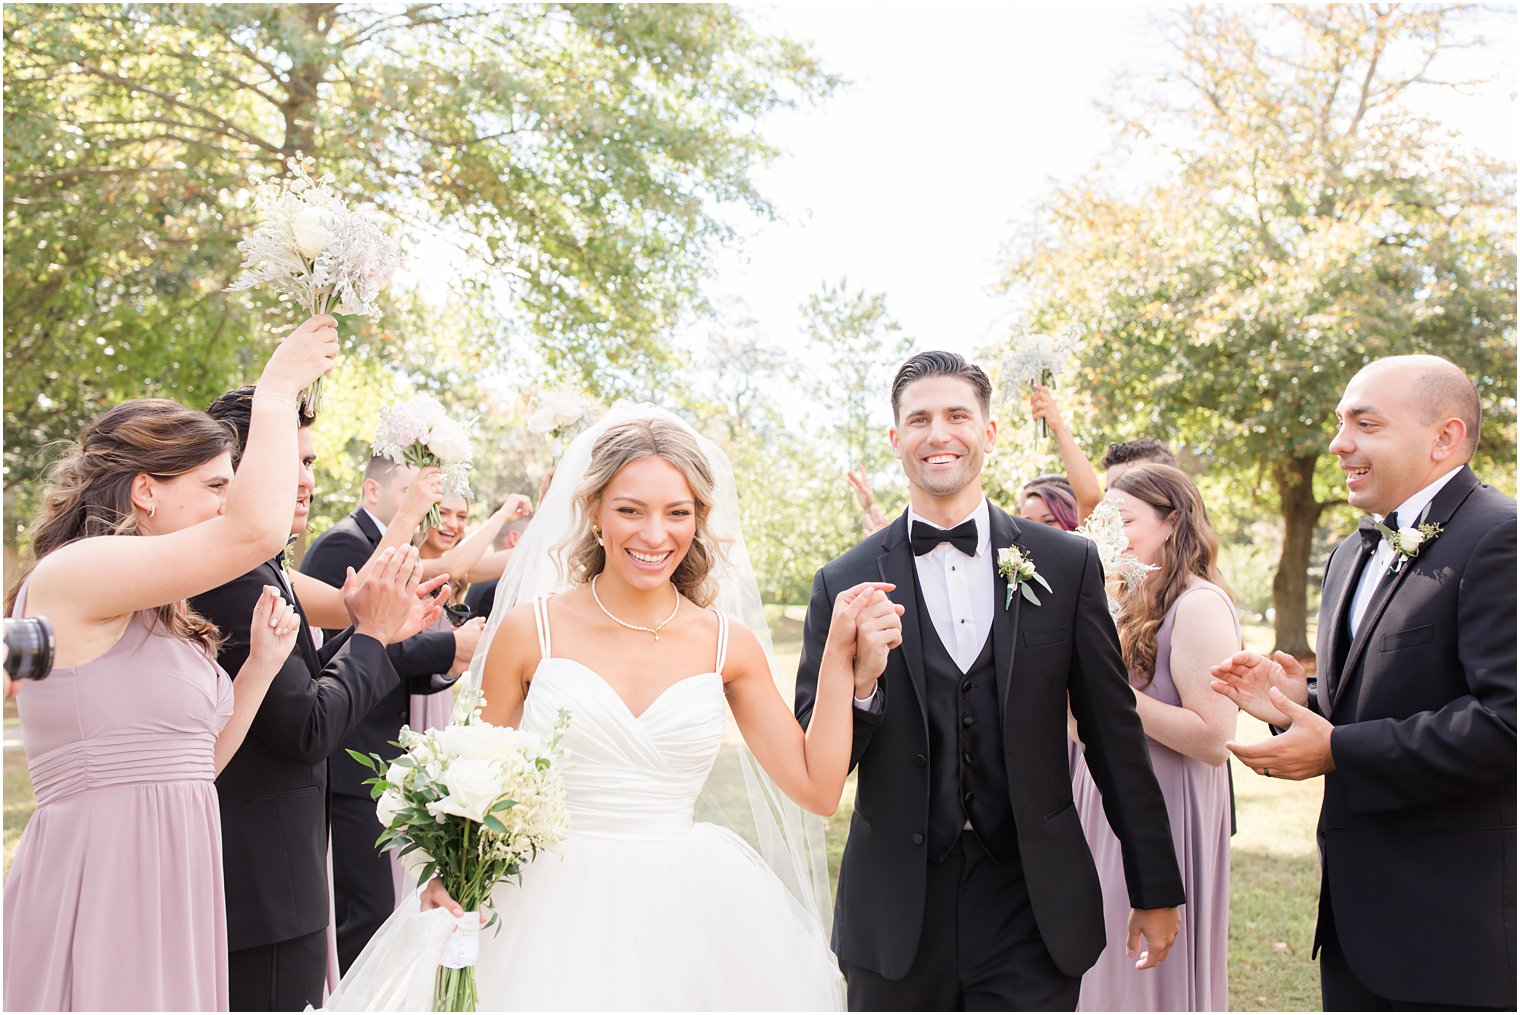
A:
<point x="419" y="432"/>
<point x="1032" y="359"/>
<point x="471" y="804"/>
<point x="1106" y="529"/>
<point x="557" y="415"/>
<point x="312" y="248"/>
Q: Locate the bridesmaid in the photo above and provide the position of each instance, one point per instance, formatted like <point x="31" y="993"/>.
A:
<point x="1171" y="626"/>
<point x="115" y="900"/>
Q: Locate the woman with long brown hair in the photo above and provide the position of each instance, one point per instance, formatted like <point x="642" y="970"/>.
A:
<point x="1172" y="626"/>
<point x="115" y="900"/>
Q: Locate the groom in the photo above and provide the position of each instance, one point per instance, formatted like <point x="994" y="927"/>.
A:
<point x="1411" y="716"/>
<point x="966" y="882"/>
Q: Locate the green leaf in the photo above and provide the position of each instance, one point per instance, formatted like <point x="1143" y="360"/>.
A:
<point x="1028" y="593"/>
<point x="494" y="824"/>
<point x="503" y="804"/>
<point x="362" y="759"/>
<point x="1043" y="583"/>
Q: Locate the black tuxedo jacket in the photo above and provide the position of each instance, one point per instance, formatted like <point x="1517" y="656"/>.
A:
<point x="421" y="661"/>
<point x="1417" y="832"/>
<point x="1066" y="646"/>
<point x="273" y="793"/>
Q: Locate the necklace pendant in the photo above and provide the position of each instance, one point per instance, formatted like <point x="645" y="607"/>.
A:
<point x="657" y="636"/>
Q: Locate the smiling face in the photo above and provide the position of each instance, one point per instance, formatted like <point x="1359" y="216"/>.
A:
<point x="306" y="480"/>
<point x="1144" y="526"/>
<point x="1387" y="453"/>
<point x="942" y="439"/>
<point x="648" y="518"/>
<point x="184" y="500"/>
<point x="453" y="513"/>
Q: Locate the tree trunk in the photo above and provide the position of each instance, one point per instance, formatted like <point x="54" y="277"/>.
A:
<point x="308" y="70"/>
<point x="1294" y="478"/>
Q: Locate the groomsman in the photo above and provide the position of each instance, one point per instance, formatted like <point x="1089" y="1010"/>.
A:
<point x="966" y="882"/>
<point x="1411" y="714"/>
<point x="431" y="661"/>
<point x="273" y="793"/>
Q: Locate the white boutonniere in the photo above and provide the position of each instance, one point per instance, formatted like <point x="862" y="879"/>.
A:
<point x="1407" y="542"/>
<point x="1018" y="568"/>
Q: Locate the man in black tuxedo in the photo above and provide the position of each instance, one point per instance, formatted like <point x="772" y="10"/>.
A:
<point x="1411" y="716"/>
<point x="273" y="793"/>
<point x="429" y="662"/>
<point x="966" y="882"/>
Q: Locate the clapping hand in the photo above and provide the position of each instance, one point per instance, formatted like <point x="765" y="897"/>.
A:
<point x="1247" y="677"/>
<point x="272" y="631"/>
<point x="381" y="602"/>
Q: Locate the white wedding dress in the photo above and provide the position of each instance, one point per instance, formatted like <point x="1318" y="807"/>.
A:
<point x="643" y="908"/>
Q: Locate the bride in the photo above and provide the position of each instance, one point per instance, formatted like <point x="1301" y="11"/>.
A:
<point x="617" y="607"/>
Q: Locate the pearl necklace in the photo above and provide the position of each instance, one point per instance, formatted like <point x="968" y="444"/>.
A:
<point x="635" y="627"/>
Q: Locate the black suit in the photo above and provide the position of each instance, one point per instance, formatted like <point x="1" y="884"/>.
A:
<point x="362" y="876"/>
<point x="1064" y="647"/>
<point x="1417" y="832"/>
<point x="274" y="802"/>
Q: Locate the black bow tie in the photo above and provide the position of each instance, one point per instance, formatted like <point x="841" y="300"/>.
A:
<point x="1370" y="534"/>
<point x="926" y="537"/>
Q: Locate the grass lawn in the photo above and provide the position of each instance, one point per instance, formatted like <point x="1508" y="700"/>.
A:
<point x="1274" y="881"/>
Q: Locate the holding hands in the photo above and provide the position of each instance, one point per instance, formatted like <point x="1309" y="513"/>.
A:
<point x="272" y="632"/>
<point x="868" y="625"/>
<point x="1276" y="691"/>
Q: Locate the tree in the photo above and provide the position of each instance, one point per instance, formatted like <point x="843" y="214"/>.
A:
<point x="856" y="347"/>
<point x="574" y="153"/>
<point x="1303" y="220"/>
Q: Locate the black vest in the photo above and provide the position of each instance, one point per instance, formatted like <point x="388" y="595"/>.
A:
<point x="967" y="775"/>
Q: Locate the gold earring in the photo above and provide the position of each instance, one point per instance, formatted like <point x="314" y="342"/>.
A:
<point x="598" y="534"/>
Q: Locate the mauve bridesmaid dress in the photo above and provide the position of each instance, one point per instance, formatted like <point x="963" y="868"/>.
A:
<point x="115" y="899"/>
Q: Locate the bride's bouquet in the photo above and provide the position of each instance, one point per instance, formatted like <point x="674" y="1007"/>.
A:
<point x="1032" y="359"/>
<point x="312" y="248"/>
<point x="472" y="803"/>
<point x="419" y="432"/>
<point x="1106" y="529"/>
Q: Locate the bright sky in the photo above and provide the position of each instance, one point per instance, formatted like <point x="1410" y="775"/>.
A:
<point x="958" y="118"/>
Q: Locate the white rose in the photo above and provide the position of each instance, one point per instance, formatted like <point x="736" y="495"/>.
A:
<point x="1410" y="539"/>
<point x="427" y="409"/>
<point x="450" y="441"/>
<point x="474" y="785"/>
<point x="388" y="806"/>
<point x="542" y="421"/>
<point x="310" y="229"/>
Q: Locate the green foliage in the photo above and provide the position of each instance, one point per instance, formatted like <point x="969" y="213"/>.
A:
<point x="1306" y="222"/>
<point x="575" y="153"/>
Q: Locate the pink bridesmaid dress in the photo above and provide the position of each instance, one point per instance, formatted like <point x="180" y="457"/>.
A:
<point x="115" y="899"/>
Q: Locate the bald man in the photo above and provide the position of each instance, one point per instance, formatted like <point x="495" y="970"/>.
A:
<point x="1411" y="716"/>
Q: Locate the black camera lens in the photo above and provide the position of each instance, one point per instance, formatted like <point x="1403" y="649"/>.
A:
<point x="29" y="648"/>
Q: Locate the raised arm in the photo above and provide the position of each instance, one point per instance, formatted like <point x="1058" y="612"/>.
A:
<point x="810" y="767"/>
<point x="99" y="579"/>
<point x="1079" y="471"/>
<point x="462" y="558"/>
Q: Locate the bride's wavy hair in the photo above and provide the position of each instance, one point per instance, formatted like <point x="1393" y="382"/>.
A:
<point x="620" y="445"/>
<point x="89" y="489"/>
<point x="1191" y="551"/>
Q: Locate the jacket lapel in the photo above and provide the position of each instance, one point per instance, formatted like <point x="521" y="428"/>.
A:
<point x="896" y="566"/>
<point x="362" y="519"/>
<point x="304" y="643"/>
<point x="1441" y="509"/>
<point x="1005" y="623"/>
<point x="1345" y="565"/>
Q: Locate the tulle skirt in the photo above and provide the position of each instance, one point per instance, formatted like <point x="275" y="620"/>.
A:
<point x="691" y="923"/>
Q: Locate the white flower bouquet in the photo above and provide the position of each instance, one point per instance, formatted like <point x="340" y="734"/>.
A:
<point x="419" y="432"/>
<point x="312" y="248"/>
<point x="1106" y="529"/>
<point x="1032" y="359"/>
<point x="473" y="803"/>
<point x="555" y="414"/>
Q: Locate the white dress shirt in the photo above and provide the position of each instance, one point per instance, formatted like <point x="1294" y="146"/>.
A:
<point x="378" y="523"/>
<point x="1372" y="574"/>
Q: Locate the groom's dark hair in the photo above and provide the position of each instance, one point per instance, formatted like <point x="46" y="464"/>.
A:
<point x="236" y="409"/>
<point x="942" y="364"/>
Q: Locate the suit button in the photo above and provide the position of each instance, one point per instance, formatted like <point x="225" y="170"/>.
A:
<point x="967" y="721"/>
<point x="967" y="798"/>
<point x="918" y="839"/>
<point x="920" y="760"/>
<point x="968" y="757"/>
<point x="966" y="685"/>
